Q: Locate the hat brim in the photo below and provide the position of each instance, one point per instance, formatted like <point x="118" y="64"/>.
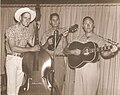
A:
<point x="20" y="11"/>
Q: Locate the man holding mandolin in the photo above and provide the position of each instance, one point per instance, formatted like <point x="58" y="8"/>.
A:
<point x="82" y="52"/>
<point x="54" y="40"/>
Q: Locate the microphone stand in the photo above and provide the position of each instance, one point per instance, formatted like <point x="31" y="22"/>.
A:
<point x="52" y="66"/>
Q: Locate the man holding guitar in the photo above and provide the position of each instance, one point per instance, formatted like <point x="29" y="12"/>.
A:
<point x="82" y="52"/>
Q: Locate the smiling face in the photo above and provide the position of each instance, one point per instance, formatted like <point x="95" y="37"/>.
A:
<point x="25" y="19"/>
<point x="88" y="25"/>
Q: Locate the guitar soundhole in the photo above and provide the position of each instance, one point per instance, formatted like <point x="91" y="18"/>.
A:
<point x="86" y="51"/>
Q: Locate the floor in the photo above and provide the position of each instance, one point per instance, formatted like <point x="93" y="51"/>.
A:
<point x="35" y="89"/>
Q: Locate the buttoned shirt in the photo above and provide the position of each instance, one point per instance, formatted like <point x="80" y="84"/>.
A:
<point x="47" y="34"/>
<point x="93" y="38"/>
<point x="20" y="35"/>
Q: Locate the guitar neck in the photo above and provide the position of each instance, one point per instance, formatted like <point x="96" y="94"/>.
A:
<point x="104" y="48"/>
<point x="100" y="49"/>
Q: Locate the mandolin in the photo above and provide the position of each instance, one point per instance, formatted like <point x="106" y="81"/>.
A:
<point x="72" y="29"/>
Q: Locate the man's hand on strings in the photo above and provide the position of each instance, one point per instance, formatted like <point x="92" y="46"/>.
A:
<point x="75" y="52"/>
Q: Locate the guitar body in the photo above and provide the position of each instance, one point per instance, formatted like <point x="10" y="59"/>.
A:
<point x="78" y="61"/>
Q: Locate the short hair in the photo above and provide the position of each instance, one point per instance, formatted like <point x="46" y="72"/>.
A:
<point x="24" y="13"/>
<point x="54" y="14"/>
<point x="88" y="17"/>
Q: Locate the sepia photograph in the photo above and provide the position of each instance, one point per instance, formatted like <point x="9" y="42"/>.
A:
<point x="60" y="47"/>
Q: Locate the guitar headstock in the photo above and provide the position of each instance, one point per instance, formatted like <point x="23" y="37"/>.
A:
<point x="73" y="28"/>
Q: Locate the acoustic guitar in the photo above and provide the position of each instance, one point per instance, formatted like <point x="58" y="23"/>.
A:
<point x="89" y="53"/>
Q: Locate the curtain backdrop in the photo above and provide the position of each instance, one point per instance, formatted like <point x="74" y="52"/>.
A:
<point x="107" y="24"/>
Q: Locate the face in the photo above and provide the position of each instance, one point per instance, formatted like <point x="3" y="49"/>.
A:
<point x="54" y="21"/>
<point x="88" y="25"/>
<point x="25" y="19"/>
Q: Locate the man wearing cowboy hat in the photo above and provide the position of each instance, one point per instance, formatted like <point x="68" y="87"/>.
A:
<point x="17" y="37"/>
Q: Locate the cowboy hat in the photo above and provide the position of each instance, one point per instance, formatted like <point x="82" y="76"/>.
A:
<point x="20" y="11"/>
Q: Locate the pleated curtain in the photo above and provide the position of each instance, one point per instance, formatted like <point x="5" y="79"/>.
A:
<point x="107" y="25"/>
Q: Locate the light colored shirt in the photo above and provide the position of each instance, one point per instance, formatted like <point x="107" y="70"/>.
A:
<point x="21" y="36"/>
<point x="87" y="77"/>
<point x="93" y="38"/>
<point x="47" y="34"/>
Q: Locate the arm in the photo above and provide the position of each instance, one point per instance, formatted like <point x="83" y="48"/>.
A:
<point x="31" y="41"/>
<point x="67" y="51"/>
<point x="15" y="48"/>
<point x="45" y="46"/>
<point x="65" y="42"/>
<point x="109" y="53"/>
<point x="44" y="41"/>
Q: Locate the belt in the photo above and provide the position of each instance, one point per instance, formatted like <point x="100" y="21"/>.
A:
<point x="16" y="54"/>
<point x="59" y="55"/>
